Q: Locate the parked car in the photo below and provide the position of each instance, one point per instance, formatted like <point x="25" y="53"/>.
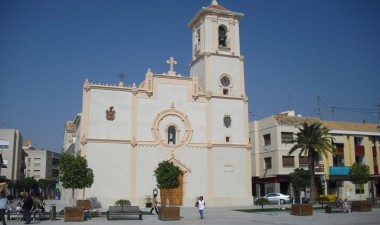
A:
<point x="277" y="197"/>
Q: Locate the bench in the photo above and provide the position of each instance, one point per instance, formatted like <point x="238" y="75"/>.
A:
<point x="335" y="207"/>
<point x="122" y="211"/>
<point x="12" y="213"/>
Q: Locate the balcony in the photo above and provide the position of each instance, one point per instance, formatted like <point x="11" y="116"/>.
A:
<point x="359" y="150"/>
<point x="319" y="168"/>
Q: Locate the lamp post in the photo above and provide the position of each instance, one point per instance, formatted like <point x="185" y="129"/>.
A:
<point x="155" y="191"/>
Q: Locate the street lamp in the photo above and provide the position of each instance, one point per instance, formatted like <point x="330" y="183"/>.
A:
<point x="155" y="191"/>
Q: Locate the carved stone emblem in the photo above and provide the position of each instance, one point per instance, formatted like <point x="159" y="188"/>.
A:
<point x="110" y="114"/>
<point x="227" y="120"/>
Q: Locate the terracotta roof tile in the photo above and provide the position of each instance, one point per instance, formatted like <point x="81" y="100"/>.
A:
<point x="293" y="120"/>
<point x="350" y="126"/>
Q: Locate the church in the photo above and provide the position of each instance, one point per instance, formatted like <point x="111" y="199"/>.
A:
<point x="199" y="122"/>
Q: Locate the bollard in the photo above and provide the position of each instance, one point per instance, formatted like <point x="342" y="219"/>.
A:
<point x="53" y="212"/>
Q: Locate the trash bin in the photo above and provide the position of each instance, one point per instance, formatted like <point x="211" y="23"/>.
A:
<point x="57" y="197"/>
<point x="53" y="212"/>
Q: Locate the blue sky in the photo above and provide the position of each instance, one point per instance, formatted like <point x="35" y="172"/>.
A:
<point x="295" y="51"/>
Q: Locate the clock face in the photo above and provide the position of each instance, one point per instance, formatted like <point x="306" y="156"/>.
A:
<point x="225" y="81"/>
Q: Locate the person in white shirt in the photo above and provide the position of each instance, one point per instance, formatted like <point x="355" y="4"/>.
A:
<point x="201" y="206"/>
<point x="3" y="206"/>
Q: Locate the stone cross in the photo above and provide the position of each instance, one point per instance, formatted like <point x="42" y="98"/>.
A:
<point x="171" y="62"/>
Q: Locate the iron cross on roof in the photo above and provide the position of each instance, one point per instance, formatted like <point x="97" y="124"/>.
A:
<point x="171" y="62"/>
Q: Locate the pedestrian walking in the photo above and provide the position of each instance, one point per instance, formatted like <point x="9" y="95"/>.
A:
<point x="201" y="206"/>
<point x="27" y="206"/>
<point x="3" y="206"/>
<point x="154" y="204"/>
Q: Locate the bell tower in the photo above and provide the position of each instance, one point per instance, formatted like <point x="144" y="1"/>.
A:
<point x="216" y="58"/>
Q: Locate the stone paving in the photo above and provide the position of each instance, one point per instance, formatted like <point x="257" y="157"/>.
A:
<point x="228" y="216"/>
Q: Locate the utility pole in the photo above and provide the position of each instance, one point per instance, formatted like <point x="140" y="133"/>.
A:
<point x="319" y="107"/>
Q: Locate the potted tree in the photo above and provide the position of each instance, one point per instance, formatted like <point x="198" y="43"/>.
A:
<point x="167" y="178"/>
<point x="300" y="179"/>
<point x="360" y="175"/>
<point x="74" y="173"/>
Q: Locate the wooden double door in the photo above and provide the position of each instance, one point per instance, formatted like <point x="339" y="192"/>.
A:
<point x="175" y="195"/>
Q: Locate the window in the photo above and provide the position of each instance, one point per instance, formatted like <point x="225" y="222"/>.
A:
<point x="36" y="173"/>
<point x="373" y="141"/>
<point x="54" y="173"/>
<point x="29" y="163"/>
<point x="267" y="139"/>
<point x="28" y="173"/>
<point x="286" y="137"/>
<point x="225" y="91"/>
<point x="358" y="141"/>
<point x="222" y="36"/>
<point x="227" y="139"/>
<point x="55" y="161"/>
<point x="171" y="135"/>
<point x="37" y="162"/>
<point x="338" y="160"/>
<point x="288" y="161"/>
<point x="303" y="161"/>
<point x="198" y="41"/>
<point x="4" y="145"/>
<point x="359" y="158"/>
<point x="268" y="162"/>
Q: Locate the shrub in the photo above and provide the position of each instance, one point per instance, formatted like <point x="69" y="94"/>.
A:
<point x="261" y="201"/>
<point x="123" y="202"/>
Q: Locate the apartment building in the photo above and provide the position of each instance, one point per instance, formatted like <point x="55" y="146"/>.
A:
<point x="272" y="138"/>
<point x="13" y="156"/>
<point x="355" y="142"/>
<point x="41" y="164"/>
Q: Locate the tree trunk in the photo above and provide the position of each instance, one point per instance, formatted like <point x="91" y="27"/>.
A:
<point x="72" y="195"/>
<point x="312" y="175"/>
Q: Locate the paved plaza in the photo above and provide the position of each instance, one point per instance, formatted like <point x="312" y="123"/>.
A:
<point x="228" y="216"/>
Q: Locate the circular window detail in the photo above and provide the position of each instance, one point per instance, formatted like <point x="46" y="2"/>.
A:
<point x="172" y="129"/>
<point x="225" y="81"/>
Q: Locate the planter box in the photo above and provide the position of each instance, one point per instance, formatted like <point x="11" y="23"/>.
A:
<point x="73" y="214"/>
<point x="361" y="206"/>
<point x="302" y="210"/>
<point x="168" y="213"/>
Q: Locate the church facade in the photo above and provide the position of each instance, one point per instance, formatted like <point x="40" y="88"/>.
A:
<point x="199" y="122"/>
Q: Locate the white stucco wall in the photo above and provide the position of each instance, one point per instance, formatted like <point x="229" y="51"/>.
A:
<point x="101" y="100"/>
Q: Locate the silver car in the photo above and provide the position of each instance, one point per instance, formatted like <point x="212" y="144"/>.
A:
<point x="277" y="198"/>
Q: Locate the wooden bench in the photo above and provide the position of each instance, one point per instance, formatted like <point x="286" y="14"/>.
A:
<point x="73" y="214"/>
<point x="86" y="205"/>
<point x="122" y="211"/>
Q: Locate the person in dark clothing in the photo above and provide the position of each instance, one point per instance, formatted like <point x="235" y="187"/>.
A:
<point x="27" y="206"/>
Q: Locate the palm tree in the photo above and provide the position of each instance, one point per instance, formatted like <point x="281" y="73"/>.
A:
<point x="313" y="141"/>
